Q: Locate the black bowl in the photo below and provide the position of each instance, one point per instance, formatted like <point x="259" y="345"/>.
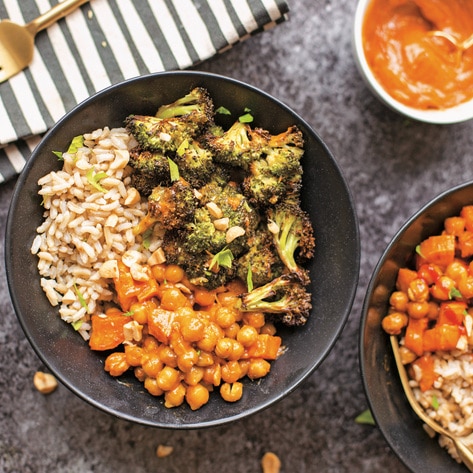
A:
<point x="401" y="428"/>
<point x="334" y="269"/>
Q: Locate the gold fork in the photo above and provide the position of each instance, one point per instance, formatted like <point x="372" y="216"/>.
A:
<point x="17" y="41"/>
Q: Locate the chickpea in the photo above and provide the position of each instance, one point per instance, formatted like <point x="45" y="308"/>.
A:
<point x="247" y="335"/>
<point x="116" y="364"/>
<point x="244" y="365"/>
<point x="228" y="348"/>
<point x="173" y="273"/>
<point x="417" y="310"/>
<point x="232" y="331"/>
<point x="231" y="371"/>
<point x="197" y="396"/>
<point x="213" y="374"/>
<point x="205" y="359"/>
<point x="150" y="344"/>
<point x="167" y="356"/>
<point x="211" y="336"/>
<point x="140" y="310"/>
<point x="258" y="368"/>
<point x="457" y="270"/>
<point x="231" y="392"/>
<point x="139" y="374"/>
<point x="255" y="319"/>
<point x="204" y="297"/>
<point x="192" y="328"/>
<point x="45" y="383"/>
<point x="134" y="355"/>
<point x="418" y="290"/>
<point x="433" y="312"/>
<point x="465" y="286"/>
<point x="187" y="360"/>
<point x="159" y="271"/>
<point x="152" y="365"/>
<point x="394" y="323"/>
<point x="442" y="288"/>
<point x="172" y="298"/>
<point x="151" y="385"/>
<point x="194" y="375"/>
<point x="168" y="378"/>
<point x="175" y="397"/>
<point x="225" y="316"/>
<point x="268" y="328"/>
<point x="407" y="356"/>
<point x="398" y="301"/>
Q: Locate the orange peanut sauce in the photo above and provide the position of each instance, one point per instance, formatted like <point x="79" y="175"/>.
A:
<point x="408" y="46"/>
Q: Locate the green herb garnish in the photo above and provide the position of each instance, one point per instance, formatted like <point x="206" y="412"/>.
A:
<point x="182" y="147"/>
<point x="77" y="324"/>
<point x="147" y="238"/>
<point x="223" y="258"/>
<point x="81" y="298"/>
<point x="174" y="170"/>
<point x="249" y="278"/>
<point x="246" y="118"/>
<point x="454" y="292"/>
<point x="418" y="251"/>
<point x="435" y="402"/>
<point x="223" y="111"/>
<point x="94" y="179"/>
<point x="366" y="417"/>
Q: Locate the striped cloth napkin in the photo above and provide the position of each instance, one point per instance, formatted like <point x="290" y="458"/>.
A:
<point x="106" y="41"/>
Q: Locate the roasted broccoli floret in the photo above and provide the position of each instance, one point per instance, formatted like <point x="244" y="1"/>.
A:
<point x="196" y="107"/>
<point x="293" y="236"/>
<point x="195" y="163"/>
<point x="277" y="174"/>
<point x="261" y="262"/>
<point x="172" y="207"/>
<point x="150" y="169"/>
<point x="201" y="268"/>
<point x="285" y="297"/>
<point x="261" y="186"/>
<point x="284" y="152"/>
<point x="239" y="145"/>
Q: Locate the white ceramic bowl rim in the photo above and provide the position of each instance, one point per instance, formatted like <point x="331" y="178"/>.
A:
<point x="459" y="113"/>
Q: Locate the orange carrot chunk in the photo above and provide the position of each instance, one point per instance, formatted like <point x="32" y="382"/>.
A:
<point x="426" y="365"/>
<point x="438" y="249"/>
<point x="107" y="330"/>
<point x="415" y="334"/>
<point x="441" y="337"/>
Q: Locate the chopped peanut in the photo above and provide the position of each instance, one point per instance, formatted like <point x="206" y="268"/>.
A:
<point x="132" y="196"/>
<point x="109" y="269"/>
<point x="45" y="383"/>
<point x="270" y="463"/>
<point x="214" y="210"/>
<point x="234" y="232"/>
<point x="158" y="257"/>
<point x="164" y="451"/>
<point x="221" y="223"/>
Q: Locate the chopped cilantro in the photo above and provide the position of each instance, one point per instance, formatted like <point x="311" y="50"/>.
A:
<point x="454" y="292"/>
<point x="223" y="111"/>
<point x="174" y="170"/>
<point x="366" y="417"/>
<point x="223" y="258"/>
<point x="77" y="324"/>
<point x="81" y="298"/>
<point x="249" y="278"/>
<point x="435" y="402"/>
<point x="246" y="118"/>
<point x="94" y="179"/>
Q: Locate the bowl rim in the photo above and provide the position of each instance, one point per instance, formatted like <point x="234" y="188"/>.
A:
<point x="270" y="400"/>
<point x="457" y="114"/>
<point x="362" y="358"/>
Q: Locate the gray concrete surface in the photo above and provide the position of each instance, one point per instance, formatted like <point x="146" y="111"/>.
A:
<point x="392" y="165"/>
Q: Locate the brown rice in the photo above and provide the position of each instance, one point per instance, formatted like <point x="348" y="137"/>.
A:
<point x="84" y="227"/>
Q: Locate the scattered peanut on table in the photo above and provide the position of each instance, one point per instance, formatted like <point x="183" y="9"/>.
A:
<point x="45" y="383"/>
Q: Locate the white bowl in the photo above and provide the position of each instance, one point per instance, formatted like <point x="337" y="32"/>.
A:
<point x="459" y="113"/>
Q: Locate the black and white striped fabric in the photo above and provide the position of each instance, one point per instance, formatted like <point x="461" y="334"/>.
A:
<point x="106" y="41"/>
